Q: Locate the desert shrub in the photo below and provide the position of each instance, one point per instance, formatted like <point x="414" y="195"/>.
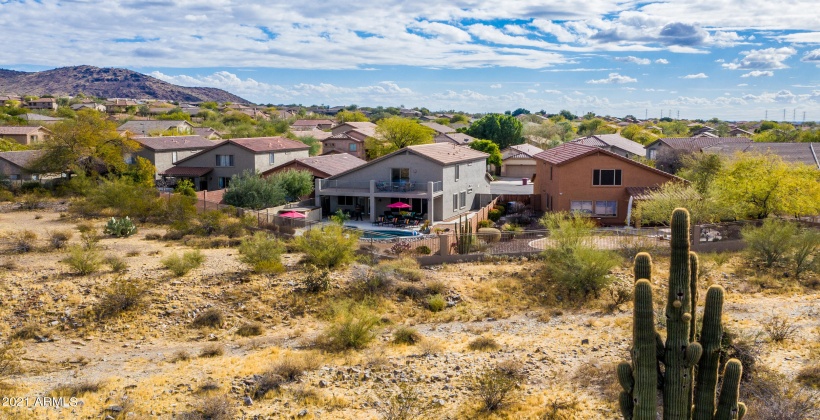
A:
<point x="436" y="303"/>
<point x="211" y="318"/>
<point x="121" y="196"/>
<point x="316" y="279"/>
<point x="400" y="247"/>
<point x="262" y="253"/>
<point x="620" y="292"/>
<point x="404" y="403"/>
<point x="771" y="242"/>
<point x="218" y="407"/>
<point x="121" y="296"/>
<point x="485" y="224"/>
<point x="27" y="332"/>
<point x="212" y="350"/>
<point x="180" y="356"/>
<point x="352" y="326"/>
<point x="776" y="398"/>
<point x="329" y="247"/>
<point x="23" y="241"/>
<point x="82" y="260"/>
<point x="745" y="348"/>
<point x="59" y="238"/>
<point x="582" y="271"/>
<point x="494" y="385"/>
<point x="291" y="368"/>
<point x="181" y="265"/>
<point x="423" y="250"/>
<point x="779" y="329"/>
<point x="401" y="269"/>
<point x="810" y="376"/>
<point x="75" y="390"/>
<point x="120" y="228"/>
<point x="406" y="335"/>
<point x="490" y="234"/>
<point x="483" y="344"/>
<point x="31" y="201"/>
<point x="495" y="215"/>
<point x="372" y="281"/>
<point x="250" y="329"/>
<point x="435" y="287"/>
<point x="6" y="195"/>
<point x="211" y="222"/>
<point x="117" y="264"/>
<point x="805" y="247"/>
<point x="10" y="354"/>
<point x="185" y="187"/>
<point x="266" y="383"/>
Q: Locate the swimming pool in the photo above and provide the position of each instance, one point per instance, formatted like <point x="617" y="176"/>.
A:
<point x="387" y="233"/>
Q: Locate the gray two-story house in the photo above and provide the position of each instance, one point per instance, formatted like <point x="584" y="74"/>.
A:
<point x="440" y="181"/>
<point x="212" y="168"/>
<point x="164" y="152"/>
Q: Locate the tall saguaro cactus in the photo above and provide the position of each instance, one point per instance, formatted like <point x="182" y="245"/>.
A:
<point x="680" y="353"/>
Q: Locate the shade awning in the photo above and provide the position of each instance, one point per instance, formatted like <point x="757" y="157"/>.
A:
<point x="188" y="171"/>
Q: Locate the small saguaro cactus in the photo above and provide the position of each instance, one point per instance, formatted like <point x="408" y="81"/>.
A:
<point x="684" y="397"/>
<point x="464" y="239"/>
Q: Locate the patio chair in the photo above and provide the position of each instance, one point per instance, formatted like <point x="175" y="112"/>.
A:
<point x="379" y="221"/>
<point x="391" y="221"/>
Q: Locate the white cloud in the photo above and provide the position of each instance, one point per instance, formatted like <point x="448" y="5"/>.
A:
<point x="720" y="60"/>
<point x="552" y="92"/>
<point x="758" y="73"/>
<point x="812" y="57"/>
<point x="495" y="86"/>
<point x="695" y="76"/>
<point x="764" y="59"/>
<point x="613" y="78"/>
<point x="633" y="59"/>
<point x="662" y="61"/>
<point x="742" y="84"/>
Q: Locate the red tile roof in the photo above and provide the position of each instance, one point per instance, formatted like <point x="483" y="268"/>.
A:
<point x="697" y="144"/>
<point x="268" y="144"/>
<point x="14" y="130"/>
<point x="175" y="142"/>
<point x="330" y="164"/>
<point x="566" y="152"/>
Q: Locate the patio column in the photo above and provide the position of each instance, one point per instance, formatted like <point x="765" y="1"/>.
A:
<point x="318" y="190"/>
<point x="430" y="206"/>
<point x="372" y="200"/>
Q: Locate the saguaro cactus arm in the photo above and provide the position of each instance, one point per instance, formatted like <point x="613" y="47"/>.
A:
<point x="711" y="334"/>
<point x="728" y="407"/>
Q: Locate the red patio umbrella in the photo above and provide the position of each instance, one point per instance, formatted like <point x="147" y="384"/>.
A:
<point x="399" y="205"/>
<point x="292" y="215"/>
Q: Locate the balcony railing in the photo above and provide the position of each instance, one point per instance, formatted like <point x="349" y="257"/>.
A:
<point x="381" y="186"/>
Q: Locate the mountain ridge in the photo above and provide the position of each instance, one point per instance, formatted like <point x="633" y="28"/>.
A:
<point x="106" y="82"/>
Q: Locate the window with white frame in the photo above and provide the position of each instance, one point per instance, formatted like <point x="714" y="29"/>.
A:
<point x="606" y="208"/>
<point x="457" y="172"/>
<point x="604" y="177"/>
<point x="455" y="202"/>
<point x="582" y="207"/>
<point x="224" y="160"/>
<point x="652" y="153"/>
<point x="270" y="158"/>
<point x="174" y="157"/>
<point x="462" y="199"/>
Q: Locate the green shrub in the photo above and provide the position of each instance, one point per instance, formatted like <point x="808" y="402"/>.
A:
<point x="121" y="296"/>
<point x="423" y="250"/>
<point x="485" y="224"/>
<point x="493" y="385"/>
<point x="180" y="266"/>
<point x="489" y="234"/>
<point x="483" y="344"/>
<point x="401" y="269"/>
<point x="316" y="279"/>
<point x="584" y="271"/>
<point x="262" y="253"/>
<point x="406" y="335"/>
<point x="210" y="318"/>
<point x="117" y="264"/>
<point x="120" y="228"/>
<point x="185" y="187"/>
<point x="770" y="242"/>
<point x="82" y="260"/>
<point x="329" y="247"/>
<point x="494" y="215"/>
<point x="6" y="195"/>
<point x="805" y="247"/>
<point x="436" y="303"/>
<point x="352" y="327"/>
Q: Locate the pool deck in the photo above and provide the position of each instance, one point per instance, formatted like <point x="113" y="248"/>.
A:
<point x="366" y="225"/>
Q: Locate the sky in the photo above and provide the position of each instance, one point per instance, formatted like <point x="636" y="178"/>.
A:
<point x="730" y="59"/>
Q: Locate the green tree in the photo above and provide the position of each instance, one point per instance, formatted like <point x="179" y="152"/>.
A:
<point x="87" y="143"/>
<point x="315" y="145"/>
<point x="296" y="184"/>
<point x="701" y="169"/>
<point x="250" y="190"/>
<point x="395" y="133"/>
<point x="592" y="126"/>
<point x="490" y="148"/>
<point x="328" y="247"/>
<point x="520" y="111"/>
<point x="503" y="130"/>
<point x="351" y="116"/>
<point x="567" y="115"/>
<point x="460" y="119"/>
<point x="143" y="172"/>
<point x="703" y="208"/>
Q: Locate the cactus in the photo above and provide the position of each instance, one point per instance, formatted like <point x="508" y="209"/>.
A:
<point x="641" y="378"/>
<point x="464" y="240"/>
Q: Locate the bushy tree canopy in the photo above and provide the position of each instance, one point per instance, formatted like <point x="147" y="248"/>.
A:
<point x="394" y="133"/>
<point x="251" y="190"/>
<point x="489" y="147"/>
<point x="503" y="130"/>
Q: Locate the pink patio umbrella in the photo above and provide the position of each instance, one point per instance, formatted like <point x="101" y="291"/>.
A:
<point x="292" y="215"/>
<point x="398" y="205"/>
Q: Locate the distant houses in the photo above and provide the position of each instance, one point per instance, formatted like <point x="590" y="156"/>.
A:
<point x="25" y="135"/>
<point x="153" y="127"/>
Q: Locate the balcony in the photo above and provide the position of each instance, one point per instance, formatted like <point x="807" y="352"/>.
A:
<point x="381" y="188"/>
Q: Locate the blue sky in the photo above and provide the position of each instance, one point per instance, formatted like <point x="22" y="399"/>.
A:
<point x="732" y="59"/>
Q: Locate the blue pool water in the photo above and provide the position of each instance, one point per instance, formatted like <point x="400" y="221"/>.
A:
<point x="387" y="233"/>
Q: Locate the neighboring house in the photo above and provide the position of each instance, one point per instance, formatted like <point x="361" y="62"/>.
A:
<point x="439" y="180"/>
<point x="207" y="132"/>
<point x="614" y="143"/>
<point x="593" y="181"/>
<point x="150" y="127"/>
<point x="212" y="168"/>
<point x="10" y="99"/>
<point x="120" y="105"/>
<point x="299" y="125"/>
<point x="707" y="134"/>
<point x="455" y="138"/>
<point x="89" y="105"/>
<point x="739" y="132"/>
<point x="807" y="153"/>
<point x="32" y="118"/>
<point x="165" y="151"/>
<point x="316" y="134"/>
<point x="349" y="137"/>
<point x="439" y="128"/>
<point x="320" y="166"/>
<point x="25" y="135"/>
<point x="518" y="161"/>
<point x="702" y="130"/>
<point x="409" y="113"/>
<point x="42" y="103"/>
<point x="14" y="165"/>
<point x="667" y="152"/>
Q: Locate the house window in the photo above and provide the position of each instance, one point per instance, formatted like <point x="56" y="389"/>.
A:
<point x="455" y="202"/>
<point x="462" y="198"/>
<point x="174" y="157"/>
<point x="345" y="200"/>
<point x="14" y="177"/>
<point x="224" y="160"/>
<point x="223" y="181"/>
<point x="606" y="177"/>
<point x="583" y="207"/>
<point x="352" y="147"/>
<point x="457" y="172"/>
<point x="606" y="208"/>
<point x="270" y="158"/>
<point x="550" y="172"/>
<point x="400" y="174"/>
<point x="652" y="153"/>
<point x="34" y="137"/>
